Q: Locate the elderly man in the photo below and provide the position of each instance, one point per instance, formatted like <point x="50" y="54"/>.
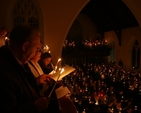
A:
<point x="19" y="88"/>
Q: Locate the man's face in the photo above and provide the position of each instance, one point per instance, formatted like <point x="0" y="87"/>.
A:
<point x="3" y="33"/>
<point x="37" y="57"/>
<point x="34" y="46"/>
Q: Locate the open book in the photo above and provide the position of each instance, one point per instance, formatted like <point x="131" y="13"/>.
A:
<point x="67" y="70"/>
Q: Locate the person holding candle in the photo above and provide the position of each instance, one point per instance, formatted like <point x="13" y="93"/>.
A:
<point x="47" y="66"/>
<point x="37" y="71"/>
<point x="46" y="62"/>
<point x="47" y="87"/>
<point x="20" y="93"/>
<point x="19" y="88"/>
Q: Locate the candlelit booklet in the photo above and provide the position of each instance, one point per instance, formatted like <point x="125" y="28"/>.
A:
<point x="67" y="70"/>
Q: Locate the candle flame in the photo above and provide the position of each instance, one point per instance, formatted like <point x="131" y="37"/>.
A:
<point x="62" y="70"/>
<point x="46" y="48"/>
<point x="57" y="64"/>
<point x="96" y="103"/>
<point x="59" y="59"/>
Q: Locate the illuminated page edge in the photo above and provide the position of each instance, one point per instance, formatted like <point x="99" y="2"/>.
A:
<point x="67" y="70"/>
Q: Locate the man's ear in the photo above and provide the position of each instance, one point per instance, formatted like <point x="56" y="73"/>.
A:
<point x="25" y="46"/>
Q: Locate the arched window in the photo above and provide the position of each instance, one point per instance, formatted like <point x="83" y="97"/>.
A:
<point x="113" y="52"/>
<point x="136" y="55"/>
<point x="112" y="56"/>
<point x="25" y="12"/>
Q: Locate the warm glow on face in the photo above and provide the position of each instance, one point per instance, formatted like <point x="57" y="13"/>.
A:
<point x="33" y="47"/>
<point x="36" y="58"/>
<point x="47" y="61"/>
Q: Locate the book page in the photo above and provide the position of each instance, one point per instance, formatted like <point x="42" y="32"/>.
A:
<point x="67" y="70"/>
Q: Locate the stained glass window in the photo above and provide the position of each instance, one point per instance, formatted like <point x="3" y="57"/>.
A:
<point x="136" y="55"/>
<point x="25" y="12"/>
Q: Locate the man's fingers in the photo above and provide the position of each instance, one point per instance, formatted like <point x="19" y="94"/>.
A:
<point x="45" y="75"/>
<point x="47" y="79"/>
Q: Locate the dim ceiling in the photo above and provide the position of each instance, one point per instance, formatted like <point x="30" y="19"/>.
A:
<point x="110" y="15"/>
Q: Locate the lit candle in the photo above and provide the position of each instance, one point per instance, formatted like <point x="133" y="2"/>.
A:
<point x="106" y="42"/>
<point x="46" y="48"/>
<point x="55" y="68"/>
<point x="96" y="103"/>
<point x="6" y="38"/>
<point x="61" y="71"/>
<point x="57" y="63"/>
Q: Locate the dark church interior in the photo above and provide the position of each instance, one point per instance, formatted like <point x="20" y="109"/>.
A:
<point x="102" y="44"/>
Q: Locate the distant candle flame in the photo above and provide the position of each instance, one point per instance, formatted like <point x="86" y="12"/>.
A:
<point x="6" y="38"/>
<point x="46" y="48"/>
<point x="59" y="59"/>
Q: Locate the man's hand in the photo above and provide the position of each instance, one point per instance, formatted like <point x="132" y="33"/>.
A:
<point x="43" y="79"/>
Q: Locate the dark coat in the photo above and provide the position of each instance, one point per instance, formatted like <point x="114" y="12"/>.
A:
<point x="17" y="93"/>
